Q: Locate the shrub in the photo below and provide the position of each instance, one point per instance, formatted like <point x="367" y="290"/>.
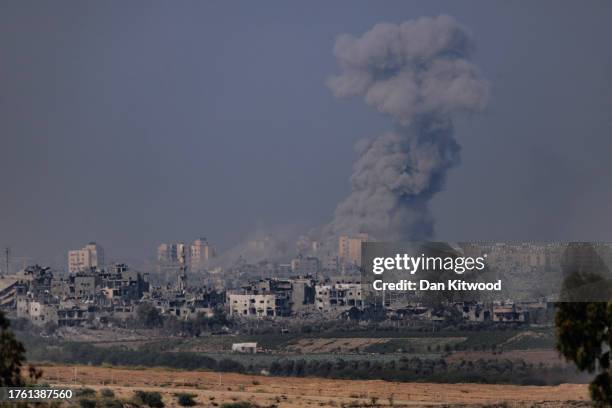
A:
<point x="186" y="400"/>
<point x="87" y="403"/>
<point x="152" y="399"/>
<point x="107" y="393"/>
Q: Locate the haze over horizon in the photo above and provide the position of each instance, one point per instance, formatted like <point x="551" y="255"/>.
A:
<point x="132" y="124"/>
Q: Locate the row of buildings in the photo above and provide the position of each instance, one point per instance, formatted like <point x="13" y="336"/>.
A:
<point x="35" y="293"/>
<point x="194" y="256"/>
<point x="304" y="288"/>
<point x="301" y="295"/>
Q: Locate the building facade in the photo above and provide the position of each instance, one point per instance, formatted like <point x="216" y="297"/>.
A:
<point x="91" y="256"/>
<point x="199" y="254"/>
<point x="349" y="249"/>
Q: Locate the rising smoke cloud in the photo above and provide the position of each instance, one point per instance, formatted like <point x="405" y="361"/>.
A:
<point x="419" y="74"/>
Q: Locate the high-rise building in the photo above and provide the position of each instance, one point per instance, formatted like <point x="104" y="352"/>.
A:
<point x="173" y="259"/>
<point x="349" y="249"/>
<point x="166" y="254"/>
<point x="199" y="254"/>
<point x="92" y="256"/>
<point x="172" y="255"/>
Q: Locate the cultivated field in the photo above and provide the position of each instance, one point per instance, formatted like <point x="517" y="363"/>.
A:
<point x="215" y="389"/>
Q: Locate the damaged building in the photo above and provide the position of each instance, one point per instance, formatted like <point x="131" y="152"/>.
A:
<point x="272" y="297"/>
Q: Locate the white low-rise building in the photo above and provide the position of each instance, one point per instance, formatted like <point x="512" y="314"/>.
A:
<point x="250" y="348"/>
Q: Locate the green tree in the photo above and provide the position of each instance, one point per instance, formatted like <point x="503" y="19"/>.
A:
<point x="12" y="359"/>
<point x="584" y="336"/>
<point x="584" y="317"/>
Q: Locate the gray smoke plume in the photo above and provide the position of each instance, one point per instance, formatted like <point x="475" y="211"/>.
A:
<point x="418" y="73"/>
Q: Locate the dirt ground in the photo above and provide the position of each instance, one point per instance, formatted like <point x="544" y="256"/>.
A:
<point x="215" y="389"/>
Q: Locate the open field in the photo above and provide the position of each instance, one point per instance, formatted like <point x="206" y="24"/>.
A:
<point x="215" y="389"/>
<point x="335" y="341"/>
<point x="543" y="357"/>
<point x="507" y="356"/>
<point x="355" y="344"/>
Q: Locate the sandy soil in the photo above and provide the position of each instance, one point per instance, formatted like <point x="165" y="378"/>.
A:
<point x="215" y="389"/>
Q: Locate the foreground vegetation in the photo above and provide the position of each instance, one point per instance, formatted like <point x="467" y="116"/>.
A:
<point x="397" y="367"/>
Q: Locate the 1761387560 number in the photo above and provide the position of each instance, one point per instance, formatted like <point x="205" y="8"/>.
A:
<point x="34" y="394"/>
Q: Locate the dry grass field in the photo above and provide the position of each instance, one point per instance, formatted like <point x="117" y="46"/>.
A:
<point x="215" y="389"/>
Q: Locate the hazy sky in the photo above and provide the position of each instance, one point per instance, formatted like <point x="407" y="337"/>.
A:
<point x="133" y="123"/>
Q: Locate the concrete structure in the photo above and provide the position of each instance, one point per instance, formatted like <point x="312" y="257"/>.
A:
<point x="509" y="314"/>
<point x="349" y="249"/>
<point x="290" y="295"/>
<point x="199" y="254"/>
<point x="251" y="305"/>
<point x="36" y="311"/>
<point x="473" y="311"/>
<point x="336" y="298"/>
<point x="172" y="253"/>
<point x="173" y="260"/>
<point x="9" y="289"/>
<point x="60" y="288"/>
<point x="305" y="265"/>
<point x="84" y="285"/>
<point x="302" y="294"/>
<point x="121" y="283"/>
<point x="92" y="256"/>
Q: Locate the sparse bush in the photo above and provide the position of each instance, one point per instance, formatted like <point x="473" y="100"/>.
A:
<point x="186" y="400"/>
<point x="87" y="403"/>
<point x="107" y="393"/>
<point x="152" y="399"/>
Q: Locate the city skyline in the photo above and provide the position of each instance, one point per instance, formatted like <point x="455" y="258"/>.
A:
<point x="158" y="130"/>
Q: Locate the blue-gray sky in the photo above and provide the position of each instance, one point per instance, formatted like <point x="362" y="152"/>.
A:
<point x="141" y="122"/>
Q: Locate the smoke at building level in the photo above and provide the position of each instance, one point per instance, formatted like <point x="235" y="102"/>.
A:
<point x="419" y="74"/>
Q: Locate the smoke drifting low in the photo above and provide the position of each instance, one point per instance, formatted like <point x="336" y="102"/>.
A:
<point x="419" y="74"/>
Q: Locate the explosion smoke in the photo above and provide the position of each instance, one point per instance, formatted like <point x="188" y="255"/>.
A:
<point x="418" y="73"/>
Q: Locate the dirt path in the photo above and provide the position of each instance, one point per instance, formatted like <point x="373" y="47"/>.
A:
<point x="218" y="388"/>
